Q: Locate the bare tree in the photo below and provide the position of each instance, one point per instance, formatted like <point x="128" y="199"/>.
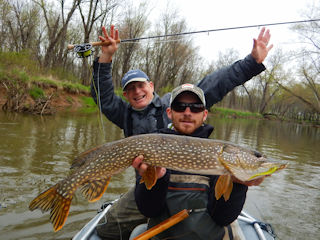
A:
<point x="56" y="24"/>
<point x="133" y="25"/>
<point x="309" y="70"/>
<point x="172" y="60"/>
<point x="90" y="12"/>
<point x="225" y="59"/>
<point x="5" y="17"/>
<point x="22" y="22"/>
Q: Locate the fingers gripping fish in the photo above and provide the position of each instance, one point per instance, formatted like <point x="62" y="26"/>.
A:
<point x="94" y="168"/>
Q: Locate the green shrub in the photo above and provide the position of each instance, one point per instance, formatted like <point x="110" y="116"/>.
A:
<point x="88" y="101"/>
<point x="20" y="75"/>
<point x="36" y="93"/>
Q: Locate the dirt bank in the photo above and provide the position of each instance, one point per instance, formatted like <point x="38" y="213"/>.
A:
<point x="55" y="100"/>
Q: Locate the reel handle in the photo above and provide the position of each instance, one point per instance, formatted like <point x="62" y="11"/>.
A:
<point x="71" y="46"/>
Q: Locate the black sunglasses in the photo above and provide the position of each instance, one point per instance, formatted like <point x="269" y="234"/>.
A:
<point x="181" y="107"/>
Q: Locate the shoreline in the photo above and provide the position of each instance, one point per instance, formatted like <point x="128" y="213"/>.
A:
<point x="64" y="102"/>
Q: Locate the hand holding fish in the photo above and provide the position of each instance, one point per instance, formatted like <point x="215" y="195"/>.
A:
<point x="254" y="182"/>
<point x="142" y="167"/>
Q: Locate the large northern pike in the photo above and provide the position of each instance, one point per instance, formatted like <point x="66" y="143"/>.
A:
<point x="94" y="168"/>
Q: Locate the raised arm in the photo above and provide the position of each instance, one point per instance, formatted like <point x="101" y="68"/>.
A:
<point x="102" y="89"/>
<point x="217" y="84"/>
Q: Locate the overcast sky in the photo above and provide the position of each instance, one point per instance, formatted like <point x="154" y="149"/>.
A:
<point x="211" y="14"/>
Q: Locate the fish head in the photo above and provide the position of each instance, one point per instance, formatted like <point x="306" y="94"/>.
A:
<point x="247" y="164"/>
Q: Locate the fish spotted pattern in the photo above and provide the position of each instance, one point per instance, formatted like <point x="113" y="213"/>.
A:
<point x="93" y="169"/>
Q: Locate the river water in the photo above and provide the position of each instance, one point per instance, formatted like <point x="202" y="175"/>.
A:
<point x="36" y="152"/>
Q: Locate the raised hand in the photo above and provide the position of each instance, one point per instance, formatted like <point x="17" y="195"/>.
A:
<point x="107" y="51"/>
<point x="260" y="48"/>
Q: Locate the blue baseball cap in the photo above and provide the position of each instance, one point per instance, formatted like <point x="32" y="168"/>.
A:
<point x="133" y="76"/>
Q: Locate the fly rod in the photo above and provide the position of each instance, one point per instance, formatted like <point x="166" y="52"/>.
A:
<point x="84" y="50"/>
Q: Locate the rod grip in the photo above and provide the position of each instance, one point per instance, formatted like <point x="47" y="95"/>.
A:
<point x="106" y="43"/>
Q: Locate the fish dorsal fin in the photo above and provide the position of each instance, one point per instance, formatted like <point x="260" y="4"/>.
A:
<point x="149" y="178"/>
<point x="81" y="159"/>
<point x="93" y="190"/>
<point x="223" y="187"/>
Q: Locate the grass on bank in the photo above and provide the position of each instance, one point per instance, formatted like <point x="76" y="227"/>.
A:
<point x="89" y="106"/>
<point x="21" y="68"/>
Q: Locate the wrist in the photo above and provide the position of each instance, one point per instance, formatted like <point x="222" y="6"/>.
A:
<point x="105" y="58"/>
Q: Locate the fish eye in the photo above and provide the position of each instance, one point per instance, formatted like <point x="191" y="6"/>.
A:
<point x="257" y="154"/>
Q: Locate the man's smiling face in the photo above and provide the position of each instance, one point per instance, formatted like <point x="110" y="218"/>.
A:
<point x="187" y="122"/>
<point x="139" y="94"/>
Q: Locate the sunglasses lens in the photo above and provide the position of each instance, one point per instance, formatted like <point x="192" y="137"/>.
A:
<point x="181" y="107"/>
<point x="196" y="109"/>
<point x="178" y="107"/>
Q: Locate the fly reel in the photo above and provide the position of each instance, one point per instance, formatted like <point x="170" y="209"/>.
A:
<point x="83" y="50"/>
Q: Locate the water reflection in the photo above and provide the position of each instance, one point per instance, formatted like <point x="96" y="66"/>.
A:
<point x="290" y="199"/>
<point x="36" y="152"/>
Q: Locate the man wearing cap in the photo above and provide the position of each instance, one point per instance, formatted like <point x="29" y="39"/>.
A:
<point x="145" y="111"/>
<point x="175" y="190"/>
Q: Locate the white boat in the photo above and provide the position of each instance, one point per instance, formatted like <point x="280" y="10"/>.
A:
<point x="244" y="228"/>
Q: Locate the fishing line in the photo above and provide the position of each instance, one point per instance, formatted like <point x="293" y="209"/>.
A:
<point x="97" y="92"/>
<point x="85" y="55"/>
<point x="219" y="29"/>
<point x="99" y="102"/>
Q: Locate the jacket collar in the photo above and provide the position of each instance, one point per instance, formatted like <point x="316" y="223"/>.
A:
<point x="156" y="101"/>
<point x="203" y="132"/>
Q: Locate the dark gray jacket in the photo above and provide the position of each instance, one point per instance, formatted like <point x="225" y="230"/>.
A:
<point x="215" y="86"/>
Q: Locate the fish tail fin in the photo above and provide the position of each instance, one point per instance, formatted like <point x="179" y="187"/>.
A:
<point x="223" y="187"/>
<point x="93" y="190"/>
<point x="149" y="177"/>
<point x="59" y="206"/>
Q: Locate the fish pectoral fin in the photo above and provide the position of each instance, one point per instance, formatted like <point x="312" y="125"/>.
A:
<point x="93" y="190"/>
<point x="223" y="187"/>
<point x="149" y="178"/>
<point x="59" y="206"/>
